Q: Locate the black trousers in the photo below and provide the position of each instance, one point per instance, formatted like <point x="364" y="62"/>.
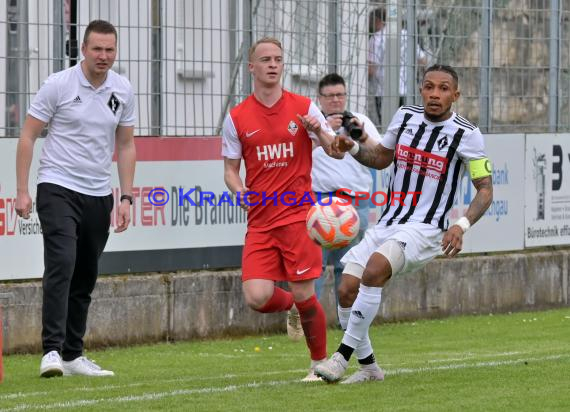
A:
<point x="75" y="230"/>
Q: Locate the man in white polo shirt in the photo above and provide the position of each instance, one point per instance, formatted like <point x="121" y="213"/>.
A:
<point x="88" y="109"/>
<point x="330" y="175"/>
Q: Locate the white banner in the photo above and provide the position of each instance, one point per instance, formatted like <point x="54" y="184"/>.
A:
<point x="547" y="188"/>
<point x="215" y="223"/>
<point x="202" y="221"/>
<point x="21" y="247"/>
<point x="501" y="228"/>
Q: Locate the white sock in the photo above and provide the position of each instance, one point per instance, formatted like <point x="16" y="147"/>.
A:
<point x="364" y="310"/>
<point x="365" y="348"/>
<point x="343" y="315"/>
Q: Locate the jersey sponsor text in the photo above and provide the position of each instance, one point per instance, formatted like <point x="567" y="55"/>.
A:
<point x="422" y="159"/>
<point x="275" y="151"/>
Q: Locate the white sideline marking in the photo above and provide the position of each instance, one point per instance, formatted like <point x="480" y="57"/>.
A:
<point x="468" y="356"/>
<point x="471" y="356"/>
<point x="147" y="396"/>
<point x="230" y="388"/>
<point x="400" y="371"/>
<point x="133" y="385"/>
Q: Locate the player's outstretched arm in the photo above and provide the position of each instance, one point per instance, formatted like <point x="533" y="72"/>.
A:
<point x="315" y="125"/>
<point x="452" y="241"/>
<point x="377" y="157"/>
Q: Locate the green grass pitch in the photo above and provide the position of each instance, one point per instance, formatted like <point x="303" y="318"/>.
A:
<point x="513" y="362"/>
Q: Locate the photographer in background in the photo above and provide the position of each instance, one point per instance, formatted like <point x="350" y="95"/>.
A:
<point x="329" y="175"/>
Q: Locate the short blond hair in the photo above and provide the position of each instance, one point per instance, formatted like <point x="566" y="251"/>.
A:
<point x="266" y="39"/>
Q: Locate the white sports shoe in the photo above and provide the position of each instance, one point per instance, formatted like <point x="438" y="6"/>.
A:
<point x="294" y="327"/>
<point x="365" y="374"/>
<point x="51" y="365"/>
<point x="85" y="367"/>
<point x="332" y="369"/>
<point x="311" y="377"/>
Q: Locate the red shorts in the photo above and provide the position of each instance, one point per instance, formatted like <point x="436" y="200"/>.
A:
<point x="285" y="253"/>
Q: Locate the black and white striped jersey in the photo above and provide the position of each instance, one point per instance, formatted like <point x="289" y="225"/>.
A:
<point x="429" y="161"/>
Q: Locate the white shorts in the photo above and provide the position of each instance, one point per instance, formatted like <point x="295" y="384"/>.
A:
<point x="420" y="242"/>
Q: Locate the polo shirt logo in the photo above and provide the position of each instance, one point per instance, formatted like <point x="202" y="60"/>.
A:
<point x="113" y="103"/>
<point x="77" y="99"/>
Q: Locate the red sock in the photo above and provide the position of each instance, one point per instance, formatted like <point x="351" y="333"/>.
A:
<point x="279" y="302"/>
<point x="315" y="326"/>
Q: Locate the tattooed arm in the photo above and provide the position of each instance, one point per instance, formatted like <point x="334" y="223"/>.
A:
<point x="376" y="156"/>
<point x="452" y="241"/>
<point x="482" y="199"/>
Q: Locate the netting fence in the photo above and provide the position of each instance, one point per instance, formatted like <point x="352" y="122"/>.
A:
<point x="187" y="59"/>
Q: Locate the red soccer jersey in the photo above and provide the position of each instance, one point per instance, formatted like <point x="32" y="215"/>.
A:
<point x="276" y="150"/>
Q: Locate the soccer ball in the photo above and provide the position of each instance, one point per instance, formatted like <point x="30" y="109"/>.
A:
<point x="334" y="224"/>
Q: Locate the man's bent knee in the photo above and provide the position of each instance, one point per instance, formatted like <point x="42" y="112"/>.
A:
<point x="394" y="254"/>
<point x="256" y="296"/>
<point x="302" y="290"/>
<point x="256" y="302"/>
<point x="376" y="278"/>
<point x="386" y="261"/>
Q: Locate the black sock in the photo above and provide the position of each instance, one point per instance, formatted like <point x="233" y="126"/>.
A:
<point x="369" y="360"/>
<point x="345" y="351"/>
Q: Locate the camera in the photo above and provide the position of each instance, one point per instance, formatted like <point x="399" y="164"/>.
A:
<point x="352" y="129"/>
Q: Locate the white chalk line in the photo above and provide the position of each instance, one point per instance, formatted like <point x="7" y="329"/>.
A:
<point x="230" y="388"/>
<point x="468" y="356"/>
<point x="400" y="371"/>
<point x="147" y="396"/>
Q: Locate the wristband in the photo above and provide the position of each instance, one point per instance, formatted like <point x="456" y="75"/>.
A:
<point x="127" y="197"/>
<point x="463" y="223"/>
<point x="354" y="149"/>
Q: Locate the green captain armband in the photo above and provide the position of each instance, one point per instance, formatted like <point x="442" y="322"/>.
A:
<point x="479" y="168"/>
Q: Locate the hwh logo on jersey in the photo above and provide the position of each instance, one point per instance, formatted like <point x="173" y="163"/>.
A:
<point x="275" y="151"/>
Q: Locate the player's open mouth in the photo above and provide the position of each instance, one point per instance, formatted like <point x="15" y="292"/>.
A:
<point x="434" y="105"/>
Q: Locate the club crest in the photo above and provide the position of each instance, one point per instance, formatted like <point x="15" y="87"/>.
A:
<point x="292" y="128"/>
<point x="113" y="103"/>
